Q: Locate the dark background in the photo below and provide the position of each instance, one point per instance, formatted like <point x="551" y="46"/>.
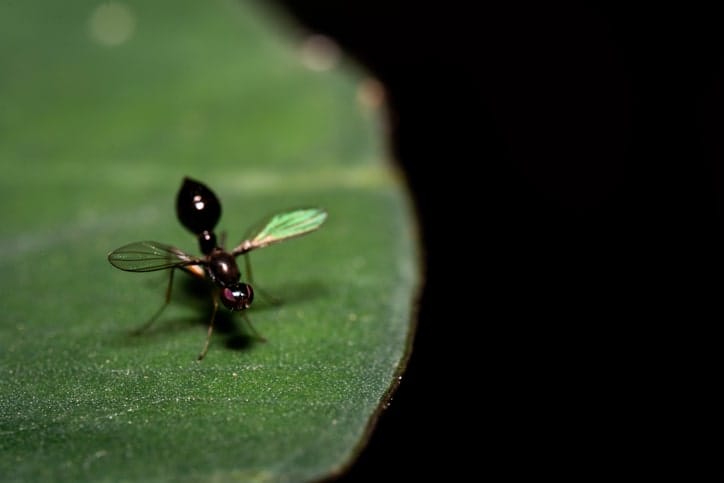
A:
<point x="566" y="166"/>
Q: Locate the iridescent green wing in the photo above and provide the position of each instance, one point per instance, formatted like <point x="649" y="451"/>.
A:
<point x="149" y="256"/>
<point x="282" y="226"/>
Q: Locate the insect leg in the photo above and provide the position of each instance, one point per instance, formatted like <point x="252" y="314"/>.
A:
<point x="250" y="277"/>
<point x="148" y="324"/>
<point x="255" y="334"/>
<point x="211" y="326"/>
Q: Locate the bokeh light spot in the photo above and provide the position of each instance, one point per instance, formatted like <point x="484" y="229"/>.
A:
<point x="319" y="53"/>
<point x="370" y="93"/>
<point x="111" y="24"/>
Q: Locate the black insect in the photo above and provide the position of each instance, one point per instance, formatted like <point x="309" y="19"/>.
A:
<point x="198" y="209"/>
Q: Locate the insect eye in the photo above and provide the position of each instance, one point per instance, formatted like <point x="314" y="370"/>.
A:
<point x="238" y="297"/>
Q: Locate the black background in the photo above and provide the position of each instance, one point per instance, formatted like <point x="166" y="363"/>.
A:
<point x="566" y="166"/>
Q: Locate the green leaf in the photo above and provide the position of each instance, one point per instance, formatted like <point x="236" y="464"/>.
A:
<point x="106" y="107"/>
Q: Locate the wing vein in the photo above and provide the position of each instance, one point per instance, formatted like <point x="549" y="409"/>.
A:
<point x="282" y="226"/>
<point x="150" y="256"/>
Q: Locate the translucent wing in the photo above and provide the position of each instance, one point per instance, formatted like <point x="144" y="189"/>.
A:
<point x="282" y="226"/>
<point x="149" y="256"/>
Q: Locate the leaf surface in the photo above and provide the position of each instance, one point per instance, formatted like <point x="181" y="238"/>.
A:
<point x="97" y="134"/>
